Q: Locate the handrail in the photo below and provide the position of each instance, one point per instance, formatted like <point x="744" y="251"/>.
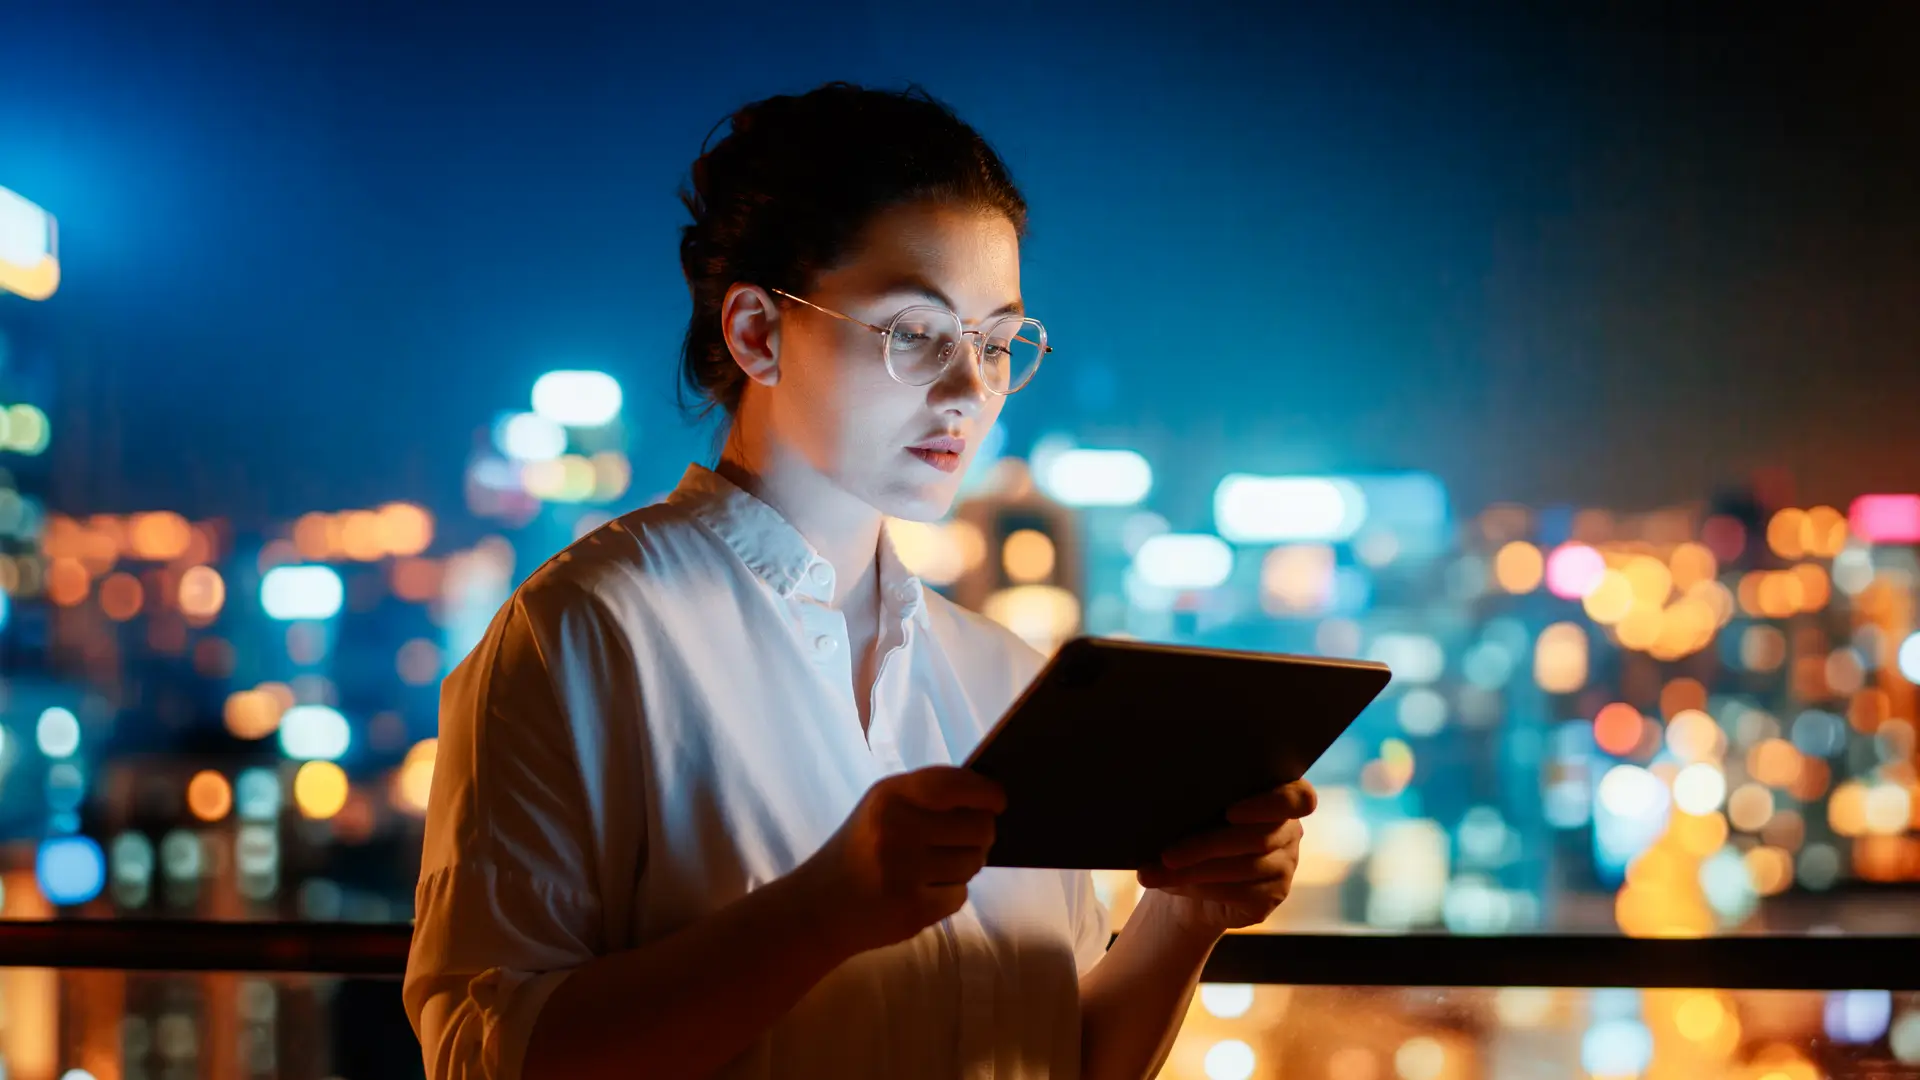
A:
<point x="1546" y="960"/>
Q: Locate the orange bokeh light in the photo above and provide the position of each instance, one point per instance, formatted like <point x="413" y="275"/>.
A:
<point x="1775" y="763"/>
<point x="67" y="582"/>
<point x="159" y="536"/>
<point x="360" y="536"/>
<point x="1815" y="587"/>
<point x="202" y="593"/>
<point x="1519" y="567"/>
<point x="209" y="796"/>
<point x="1617" y="728"/>
<point x="1682" y="694"/>
<point x="405" y="529"/>
<point x="313" y="536"/>
<point x="121" y="596"/>
<point x="1786" y="533"/>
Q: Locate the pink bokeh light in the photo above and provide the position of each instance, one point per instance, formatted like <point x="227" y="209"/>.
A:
<point x="1574" y="570"/>
<point x="1886" y="519"/>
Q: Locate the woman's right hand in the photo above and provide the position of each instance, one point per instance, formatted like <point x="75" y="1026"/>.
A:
<point x="902" y="860"/>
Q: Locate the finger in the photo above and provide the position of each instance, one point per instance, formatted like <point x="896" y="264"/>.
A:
<point x="1238" y="893"/>
<point x="948" y="787"/>
<point x="1236" y="869"/>
<point x="957" y="828"/>
<point x="1220" y="843"/>
<point x="1295" y="800"/>
<point x="951" y="865"/>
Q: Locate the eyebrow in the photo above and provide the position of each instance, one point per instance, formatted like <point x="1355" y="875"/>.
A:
<point x="914" y="283"/>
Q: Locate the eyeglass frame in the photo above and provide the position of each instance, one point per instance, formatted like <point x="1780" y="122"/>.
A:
<point x="886" y="358"/>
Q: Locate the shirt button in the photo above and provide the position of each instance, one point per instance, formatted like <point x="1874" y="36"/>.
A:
<point x="821" y="572"/>
<point x="824" y="644"/>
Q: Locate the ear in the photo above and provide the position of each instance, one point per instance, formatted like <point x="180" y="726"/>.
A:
<point x="750" y="320"/>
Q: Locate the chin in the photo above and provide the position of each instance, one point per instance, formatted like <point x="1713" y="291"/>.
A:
<point x="916" y="502"/>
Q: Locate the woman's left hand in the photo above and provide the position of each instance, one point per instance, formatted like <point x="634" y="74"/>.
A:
<point x="1236" y="876"/>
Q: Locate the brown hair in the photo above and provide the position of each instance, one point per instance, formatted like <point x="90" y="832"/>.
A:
<point x="785" y="194"/>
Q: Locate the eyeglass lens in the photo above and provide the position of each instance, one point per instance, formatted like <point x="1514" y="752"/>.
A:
<point x="921" y="341"/>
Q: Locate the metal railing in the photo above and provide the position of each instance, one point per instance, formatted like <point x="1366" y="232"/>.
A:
<point x="1547" y="960"/>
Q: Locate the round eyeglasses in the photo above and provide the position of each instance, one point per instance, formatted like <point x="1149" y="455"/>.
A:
<point x="919" y="343"/>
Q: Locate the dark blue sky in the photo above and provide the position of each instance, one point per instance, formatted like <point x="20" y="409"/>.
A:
<point x="309" y="248"/>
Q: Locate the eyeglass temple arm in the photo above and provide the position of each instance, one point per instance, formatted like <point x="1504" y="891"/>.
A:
<point x="828" y="311"/>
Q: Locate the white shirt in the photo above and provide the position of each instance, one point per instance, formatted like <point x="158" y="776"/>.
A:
<point x="662" y="719"/>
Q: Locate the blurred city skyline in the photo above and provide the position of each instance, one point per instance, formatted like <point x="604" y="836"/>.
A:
<point x="1578" y="258"/>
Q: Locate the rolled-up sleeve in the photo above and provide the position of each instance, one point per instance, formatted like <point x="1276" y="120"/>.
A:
<point x="509" y="900"/>
<point x="1092" y="923"/>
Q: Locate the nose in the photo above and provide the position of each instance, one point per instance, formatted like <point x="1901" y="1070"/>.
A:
<point x="960" y="389"/>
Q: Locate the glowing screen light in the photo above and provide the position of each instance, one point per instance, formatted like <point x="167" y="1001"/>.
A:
<point x="582" y="399"/>
<point x="1184" y="561"/>
<point x="1574" y="570"/>
<point x="70" y="869"/>
<point x="530" y="437"/>
<point x="1886" y="519"/>
<point x="29" y="248"/>
<point x="1097" y="477"/>
<point x="314" y="733"/>
<point x="302" y="592"/>
<point x="1276" y="509"/>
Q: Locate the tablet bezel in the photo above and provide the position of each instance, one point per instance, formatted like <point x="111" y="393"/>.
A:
<point x="1354" y="682"/>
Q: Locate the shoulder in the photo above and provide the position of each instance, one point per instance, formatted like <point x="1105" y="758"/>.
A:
<point x="599" y="594"/>
<point x="986" y="654"/>
<point x="621" y="570"/>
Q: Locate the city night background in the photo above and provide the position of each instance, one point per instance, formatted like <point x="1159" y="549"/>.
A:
<point x="1568" y="362"/>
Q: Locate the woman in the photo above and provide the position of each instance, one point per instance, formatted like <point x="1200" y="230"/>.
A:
<point x="695" y="811"/>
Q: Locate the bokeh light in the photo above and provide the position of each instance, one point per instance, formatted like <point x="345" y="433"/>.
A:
<point x="1617" y="728"/>
<point x="302" y="592"/>
<point x="580" y="399"/>
<point x="202" y="592"/>
<point x="70" y="870"/>
<point x="252" y="714"/>
<point x="1229" y="1059"/>
<point x="58" y="732"/>
<point x="1574" y="570"/>
<point x="413" y="781"/>
<point x="1560" y="659"/>
<point x="121" y="596"/>
<point x="309" y="732"/>
<point x="1519" y="567"/>
<point x="209" y="796"/>
<point x="1027" y="555"/>
<point x="1184" y="561"/>
<point x="1082" y="477"/>
<point x="320" y="789"/>
<point x="1279" y="509"/>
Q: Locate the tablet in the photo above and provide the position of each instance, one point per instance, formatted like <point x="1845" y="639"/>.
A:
<point x="1120" y="748"/>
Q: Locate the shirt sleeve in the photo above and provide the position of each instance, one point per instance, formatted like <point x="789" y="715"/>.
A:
<point x="509" y="900"/>
<point x="1092" y="923"/>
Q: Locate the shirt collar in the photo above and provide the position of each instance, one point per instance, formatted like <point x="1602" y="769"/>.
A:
<point x="776" y="552"/>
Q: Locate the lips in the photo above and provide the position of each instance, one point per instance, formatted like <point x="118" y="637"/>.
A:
<point x="941" y="452"/>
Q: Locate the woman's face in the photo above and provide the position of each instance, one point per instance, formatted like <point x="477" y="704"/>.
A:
<point x="901" y="449"/>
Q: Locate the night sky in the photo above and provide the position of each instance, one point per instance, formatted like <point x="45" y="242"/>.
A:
<point x="1595" y="258"/>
